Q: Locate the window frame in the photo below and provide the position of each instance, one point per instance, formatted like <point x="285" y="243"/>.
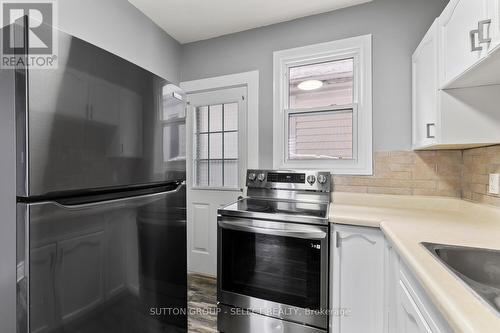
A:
<point x="360" y="49"/>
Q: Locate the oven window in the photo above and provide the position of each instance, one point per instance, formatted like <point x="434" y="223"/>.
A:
<point x="279" y="269"/>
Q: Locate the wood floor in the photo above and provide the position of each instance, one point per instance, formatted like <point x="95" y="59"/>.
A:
<point x="202" y="304"/>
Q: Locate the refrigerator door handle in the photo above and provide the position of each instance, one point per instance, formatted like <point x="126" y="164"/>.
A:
<point x="120" y="200"/>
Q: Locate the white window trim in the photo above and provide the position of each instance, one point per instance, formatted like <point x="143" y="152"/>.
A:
<point x="251" y="81"/>
<point x="359" y="48"/>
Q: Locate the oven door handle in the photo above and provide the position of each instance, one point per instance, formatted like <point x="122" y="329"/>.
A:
<point x="248" y="226"/>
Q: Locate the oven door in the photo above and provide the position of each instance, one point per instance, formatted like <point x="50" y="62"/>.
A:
<point x="275" y="269"/>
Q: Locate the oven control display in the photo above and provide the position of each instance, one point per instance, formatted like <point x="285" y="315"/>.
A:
<point x="295" y="178"/>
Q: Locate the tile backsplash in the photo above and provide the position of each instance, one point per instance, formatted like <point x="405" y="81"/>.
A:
<point x="452" y="173"/>
<point x="478" y="164"/>
<point x="410" y="173"/>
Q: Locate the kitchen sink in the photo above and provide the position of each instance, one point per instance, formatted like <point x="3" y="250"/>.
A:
<point x="478" y="268"/>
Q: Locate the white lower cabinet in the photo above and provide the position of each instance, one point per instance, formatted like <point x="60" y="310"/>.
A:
<point x="372" y="290"/>
<point x="410" y="319"/>
<point x="358" y="280"/>
<point x="415" y="312"/>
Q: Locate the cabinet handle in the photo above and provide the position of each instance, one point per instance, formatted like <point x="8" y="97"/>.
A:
<point x="480" y="27"/>
<point x="428" y="130"/>
<point x="473" y="46"/>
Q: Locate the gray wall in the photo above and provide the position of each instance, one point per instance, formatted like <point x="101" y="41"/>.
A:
<point x="118" y="27"/>
<point x="397" y="27"/>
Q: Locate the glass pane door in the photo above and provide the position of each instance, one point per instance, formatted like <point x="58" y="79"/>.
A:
<point x="217" y="162"/>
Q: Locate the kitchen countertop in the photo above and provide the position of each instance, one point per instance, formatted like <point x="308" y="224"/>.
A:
<point x="407" y="221"/>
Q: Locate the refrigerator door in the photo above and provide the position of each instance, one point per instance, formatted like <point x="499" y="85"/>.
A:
<point x="112" y="266"/>
<point x="95" y="122"/>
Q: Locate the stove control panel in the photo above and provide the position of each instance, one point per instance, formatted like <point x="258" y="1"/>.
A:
<point x="289" y="180"/>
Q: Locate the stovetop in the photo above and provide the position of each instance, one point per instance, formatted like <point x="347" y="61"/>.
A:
<point x="278" y="210"/>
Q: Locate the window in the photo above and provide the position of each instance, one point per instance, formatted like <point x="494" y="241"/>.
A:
<point x="216" y="145"/>
<point x="321" y="84"/>
<point x="320" y="135"/>
<point x="323" y="107"/>
<point x="172" y="118"/>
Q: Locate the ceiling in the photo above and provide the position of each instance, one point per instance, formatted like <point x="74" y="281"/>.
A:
<point x="194" y="20"/>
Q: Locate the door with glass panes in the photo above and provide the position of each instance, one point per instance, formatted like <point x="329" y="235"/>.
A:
<point x="216" y="166"/>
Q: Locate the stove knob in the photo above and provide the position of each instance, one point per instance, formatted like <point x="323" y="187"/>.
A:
<point x="261" y="177"/>
<point x="311" y="179"/>
<point x="322" y="179"/>
<point x="251" y="177"/>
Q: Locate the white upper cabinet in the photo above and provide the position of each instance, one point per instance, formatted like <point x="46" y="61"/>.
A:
<point x="468" y="115"/>
<point x="493" y="29"/>
<point x="469" y="44"/>
<point x="425" y="88"/>
<point x="460" y="37"/>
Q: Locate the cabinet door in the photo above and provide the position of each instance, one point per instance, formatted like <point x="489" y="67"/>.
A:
<point x="492" y="30"/>
<point x="42" y="284"/>
<point x="410" y="319"/>
<point x="425" y="89"/>
<point x="80" y="274"/>
<point x="460" y="37"/>
<point x="358" y="280"/>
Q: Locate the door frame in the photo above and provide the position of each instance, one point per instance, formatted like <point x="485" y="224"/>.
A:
<point x="251" y="81"/>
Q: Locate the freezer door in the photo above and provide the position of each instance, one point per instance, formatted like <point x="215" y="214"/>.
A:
<point x="103" y="267"/>
<point x="97" y="121"/>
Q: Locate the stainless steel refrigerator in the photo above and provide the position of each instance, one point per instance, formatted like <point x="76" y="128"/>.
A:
<point x="101" y="198"/>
